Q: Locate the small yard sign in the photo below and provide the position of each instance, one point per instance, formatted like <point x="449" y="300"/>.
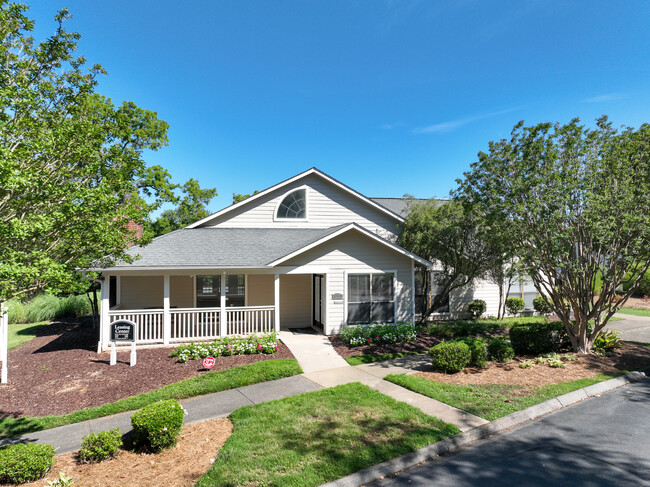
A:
<point x="208" y="362"/>
<point x="122" y="331"/>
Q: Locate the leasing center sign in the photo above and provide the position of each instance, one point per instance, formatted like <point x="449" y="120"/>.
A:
<point x="122" y="331"/>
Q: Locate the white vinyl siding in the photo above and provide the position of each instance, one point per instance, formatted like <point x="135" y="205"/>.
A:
<point x="327" y="206"/>
<point x="356" y="253"/>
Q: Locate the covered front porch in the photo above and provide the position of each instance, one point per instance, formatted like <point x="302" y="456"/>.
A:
<point x="178" y="307"/>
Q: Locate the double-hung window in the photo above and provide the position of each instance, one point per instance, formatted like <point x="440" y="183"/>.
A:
<point x="371" y="298"/>
<point x="208" y="290"/>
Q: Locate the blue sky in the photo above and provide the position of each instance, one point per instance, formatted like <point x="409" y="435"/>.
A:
<point x="389" y="97"/>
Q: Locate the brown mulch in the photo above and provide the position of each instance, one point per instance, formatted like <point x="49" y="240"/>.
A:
<point x="422" y="343"/>
<point x="630" y="357"/>
<point x="638" y="303"/>
<point x="60" y="372"/>
<point x="180" y="466"/>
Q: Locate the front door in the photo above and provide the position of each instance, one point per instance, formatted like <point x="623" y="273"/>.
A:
<point x="319" y="291"/>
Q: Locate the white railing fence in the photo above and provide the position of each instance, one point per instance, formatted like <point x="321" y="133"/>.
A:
<point x="196" y="324"/>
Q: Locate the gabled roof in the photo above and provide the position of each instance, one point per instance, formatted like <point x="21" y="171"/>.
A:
<point x="286" y="182"/>
<point x="237" y="248"/>
<point x="348" y="228"/>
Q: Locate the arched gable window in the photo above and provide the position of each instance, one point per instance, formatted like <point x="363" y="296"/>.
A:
<point x="294" y="205"/>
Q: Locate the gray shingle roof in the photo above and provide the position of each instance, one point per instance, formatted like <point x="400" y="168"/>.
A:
<point x="399" y="205"/>
<point x="222" y="247"/>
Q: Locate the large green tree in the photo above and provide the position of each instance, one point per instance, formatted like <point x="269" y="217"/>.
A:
<point x="573" y="204"/>
<point x="72" y="173"/>
<point x="452" y="236"/>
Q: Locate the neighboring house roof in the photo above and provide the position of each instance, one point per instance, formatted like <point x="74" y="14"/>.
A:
<point x="306" y="173"/>
<point x="237" y="247"/>
<point x="400" y="205"/>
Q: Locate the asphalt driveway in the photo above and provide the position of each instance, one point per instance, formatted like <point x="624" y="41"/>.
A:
<point x="632" y="328"/>
<point x="602" y="441"/>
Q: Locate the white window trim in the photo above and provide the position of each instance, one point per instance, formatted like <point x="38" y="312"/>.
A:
<point x="370" y="272"/>
<point x="276" y="218"/>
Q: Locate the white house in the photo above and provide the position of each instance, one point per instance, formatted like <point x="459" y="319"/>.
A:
<point x="307" y="252"/>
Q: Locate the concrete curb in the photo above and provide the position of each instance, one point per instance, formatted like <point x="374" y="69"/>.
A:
<point x="430" y="452"/>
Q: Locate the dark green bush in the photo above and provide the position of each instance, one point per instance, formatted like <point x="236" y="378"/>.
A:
<point x="535" y="339"/>
<point x="515" y="305"/>
<point x="541" y="305"/>
<point x="358" y="335"/>
<point x="643" y="288"/>
<point x="97" y="447"/>
<point x="22" y="462"/>
<point x="158" y="425"/>
<point x="478" y="351"/>
<point x="476" y="308"/>
<point x="450" y="357"/>
<point x="501" y="350"/>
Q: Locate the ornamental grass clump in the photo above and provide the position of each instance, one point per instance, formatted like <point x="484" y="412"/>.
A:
<point x="450" y="357"/>
<point x="97" y="447"/>
<point x="23" y="463"/>
<point x="227" y="346"/>
<point x="158" y="425"/>
<point x="358" y="335"/>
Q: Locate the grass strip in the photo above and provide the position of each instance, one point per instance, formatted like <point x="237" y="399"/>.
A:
<point x="490" y="401"/>
<point x="316" y="437"/>
<point x="626" y="310"/>
<point x="22" y="333"/>
<point x="196" y="386"/>
<point x="378" y="357"/>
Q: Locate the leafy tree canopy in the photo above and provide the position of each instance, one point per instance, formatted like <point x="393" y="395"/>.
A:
<point x="72" y="172"/>
<point x="236" y="198"/>
<point x="573" y="204"/>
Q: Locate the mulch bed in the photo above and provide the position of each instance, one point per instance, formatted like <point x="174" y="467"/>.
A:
<point x="60" y="372"/>
<point x="422" y="343"/>
<point x="630" y="357"/>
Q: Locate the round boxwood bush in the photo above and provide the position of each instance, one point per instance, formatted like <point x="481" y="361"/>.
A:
<point x="450" y="357"/>
<point x="515" y="305"/>
<point x="476" y="308"/>
<point x="23" y="463"/>
<point x="500" y="350"/>
<point x="97" y="447"/>
<point x="477" y="349"/>
<point x="537" y="338"/>
<point x="541" y="305"/>
<point x="158" y="425"/>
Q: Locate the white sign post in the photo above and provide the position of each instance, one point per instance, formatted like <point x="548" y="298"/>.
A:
<point x="123" y="331"/>
<point x="4" y="341"/>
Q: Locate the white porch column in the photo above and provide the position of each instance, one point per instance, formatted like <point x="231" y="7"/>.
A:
<point x="104" y="324"/>
<point x="222" y="315"/>
<point x="118" y="290"/>
<point x="167" y="319"/>
<point x="4" y="342"/>
<point x="276" y="303"/>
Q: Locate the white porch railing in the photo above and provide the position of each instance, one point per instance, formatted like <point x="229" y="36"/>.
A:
<point x="248" y="320"/>
<point x="196" y="324"/>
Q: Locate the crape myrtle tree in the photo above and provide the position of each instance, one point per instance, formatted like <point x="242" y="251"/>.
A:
<point x="574" y="203"/>
<point x="455" y="238"/>
<point x="72" y="173"/>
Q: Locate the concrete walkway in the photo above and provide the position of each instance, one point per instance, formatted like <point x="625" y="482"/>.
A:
<point x="68" y="438"/>
<point x="633" y="328"/>
<point x="313" y="352"/>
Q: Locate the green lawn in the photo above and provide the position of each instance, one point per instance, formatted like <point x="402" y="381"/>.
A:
<point x="489" y="401"/>
<point x="196" y="386"/>
<point x="22" y="333"/>
<point x="320" y="436"/>
<point x="378" y="357"/>
<point x="634" y="311"/>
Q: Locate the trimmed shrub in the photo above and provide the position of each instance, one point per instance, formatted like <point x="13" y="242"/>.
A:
<point x="97" y="447"/>
<point x="476" y="308"/>
<point x="541" y="305"/>
<point x="450" y="357"/>
<point x="515" y="305"/>
<point x="501" y="350"/>
<point x="485" y="327"/>
<point x="23" y="463"/>
<point x="478" y="351"/>
<point x="358" y="335"/>
<point x="535" y="339"/>
<point x="158" y="425"/>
